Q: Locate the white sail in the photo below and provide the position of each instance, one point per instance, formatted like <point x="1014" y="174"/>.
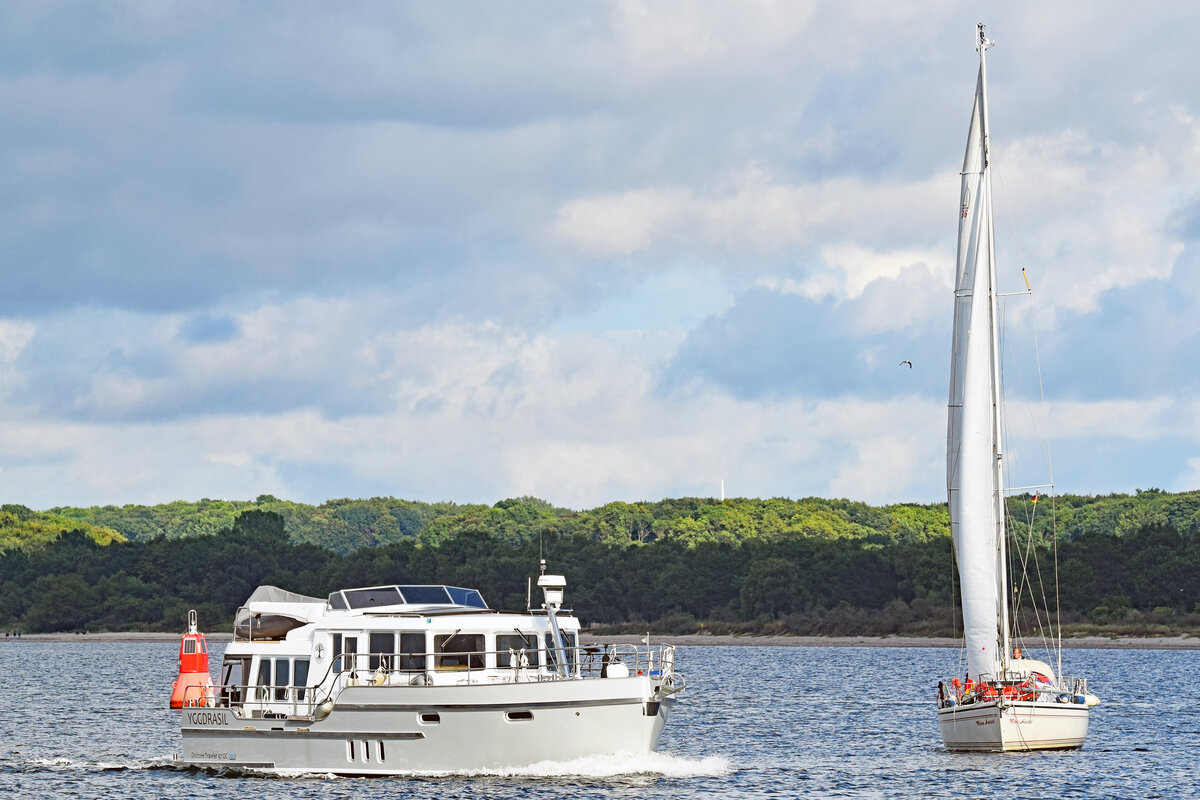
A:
<point x="973" y="446"/>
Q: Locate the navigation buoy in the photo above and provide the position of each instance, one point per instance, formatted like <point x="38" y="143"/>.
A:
<point x="193" y="687"/>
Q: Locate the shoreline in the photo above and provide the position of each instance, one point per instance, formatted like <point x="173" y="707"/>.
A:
<point x="693" y="640"/>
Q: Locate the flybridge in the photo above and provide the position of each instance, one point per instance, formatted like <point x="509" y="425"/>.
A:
<point x="395" y="595"/>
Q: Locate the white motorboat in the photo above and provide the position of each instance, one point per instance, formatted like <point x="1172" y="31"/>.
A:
<point x="1004" y="701"/>
<point x="402" y="679"/>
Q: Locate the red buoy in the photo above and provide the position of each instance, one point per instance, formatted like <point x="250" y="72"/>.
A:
<point x="193" y="687"/>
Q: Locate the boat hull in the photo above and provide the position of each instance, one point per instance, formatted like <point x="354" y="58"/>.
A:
<point x="435" y="729"/>
<point x="1013" y="726"/>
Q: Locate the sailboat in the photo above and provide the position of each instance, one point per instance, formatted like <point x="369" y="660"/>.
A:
<point x="1005" y="701"/>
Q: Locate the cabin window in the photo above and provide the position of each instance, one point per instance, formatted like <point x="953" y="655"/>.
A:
<point x="383" y="647"/>
<point x="552" y="651"/>
<point x="466" y="597"/>
<point x="264" y="677"/>
<point x="345" y="648"/>
<point x="516" y="642"/>
<point x="426" y="595"/>
<point x="235" y="673"/>
<point x="458" y="651"/>
<point x="282" y="678"/>
<point x="301" y="677"/>
<point x="412" y="652"/>
<point x="373" y="598"/>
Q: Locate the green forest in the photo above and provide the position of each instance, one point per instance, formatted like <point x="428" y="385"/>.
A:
<point x="1128" y="564"/>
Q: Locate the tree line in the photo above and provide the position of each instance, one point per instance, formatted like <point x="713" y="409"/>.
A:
<point x="828" y="567"/>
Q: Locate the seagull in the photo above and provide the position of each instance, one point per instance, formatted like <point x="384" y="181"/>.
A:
<point x="902" y="363"/>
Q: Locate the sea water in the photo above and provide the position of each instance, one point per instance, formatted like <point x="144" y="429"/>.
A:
<point x="89" y="719"/>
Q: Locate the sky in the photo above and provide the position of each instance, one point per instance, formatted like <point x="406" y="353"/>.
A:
<point x="587" y="252"/>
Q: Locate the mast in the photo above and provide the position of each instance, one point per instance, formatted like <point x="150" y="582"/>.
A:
<point x="997" y="398"/>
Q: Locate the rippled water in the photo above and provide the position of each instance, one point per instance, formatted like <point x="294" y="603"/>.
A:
<point x="88" y="719"/>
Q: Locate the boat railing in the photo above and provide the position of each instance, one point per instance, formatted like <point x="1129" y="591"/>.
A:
<point x="439" y="669"/>
<point x="1019" y="686"/>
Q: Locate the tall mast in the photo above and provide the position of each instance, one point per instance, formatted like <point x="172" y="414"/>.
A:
<point x="993" y="300"/>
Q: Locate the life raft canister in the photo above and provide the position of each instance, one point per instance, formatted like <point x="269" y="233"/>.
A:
<point x="194" y="684"/>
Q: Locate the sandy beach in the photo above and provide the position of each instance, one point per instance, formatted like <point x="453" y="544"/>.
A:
<point x="1082" y="642"/>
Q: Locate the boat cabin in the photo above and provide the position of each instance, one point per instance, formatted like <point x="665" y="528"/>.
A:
<point x="292" y="652"/>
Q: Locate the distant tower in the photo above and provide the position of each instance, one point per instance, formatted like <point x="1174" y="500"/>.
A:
<point x="722" y="490"/>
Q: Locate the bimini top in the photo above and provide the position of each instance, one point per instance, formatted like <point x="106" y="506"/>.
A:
<point x="374" y="597"/>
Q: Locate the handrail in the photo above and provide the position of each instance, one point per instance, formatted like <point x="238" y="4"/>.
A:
<point x="585" y="663"/>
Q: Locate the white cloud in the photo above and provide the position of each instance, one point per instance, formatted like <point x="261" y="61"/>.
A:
<point x="682" y="34"/>
<point x="1122" y="419"/>
<point x="753" y="212"/>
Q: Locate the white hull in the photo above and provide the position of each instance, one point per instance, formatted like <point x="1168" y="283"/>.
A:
<point x="1016" y="726"/>
<point x="389" y="730"/>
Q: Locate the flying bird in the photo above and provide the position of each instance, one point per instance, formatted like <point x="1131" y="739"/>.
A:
<point x="902" y="363"/>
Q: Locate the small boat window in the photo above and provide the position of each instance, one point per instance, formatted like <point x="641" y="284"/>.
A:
<point x="264" y="677"/>
<point x="382" y="647"/>
<point x="426" y="595"/>
<point x="349" y="651"/>
<point x="431" y="718"/>
<point x="301" y="677"/>
<point x="458" y="651"/>
<point x="517" y="642"/>
<point x="466" y="597"/>
<point x="235" y="673"/>
<point x="282" y="678"/>
<point x="412" y="652"/>
<point x="368" y="598"/>
<point x="552" y="651"/>
<point x="337" y="602"/>
<point x="519" y="716"/>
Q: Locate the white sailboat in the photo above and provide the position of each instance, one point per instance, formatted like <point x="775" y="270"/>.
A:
<point x="1004" y="702"/>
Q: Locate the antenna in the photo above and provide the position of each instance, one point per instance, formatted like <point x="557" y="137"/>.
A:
<point x="722" y="490"/>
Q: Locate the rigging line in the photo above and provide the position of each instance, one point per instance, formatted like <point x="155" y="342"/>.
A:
<point x="1016" y="241"/>
<point x="1037" y="356"/>
<point x="1047" y="456"/>
<point x="1034" y="423"/>
<point x="1010" y="467"/>
<point x="1042" y="586"/>
<point x="1057" y="598"/>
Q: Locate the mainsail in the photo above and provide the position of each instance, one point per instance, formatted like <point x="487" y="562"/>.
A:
<point x="973" y="452"/>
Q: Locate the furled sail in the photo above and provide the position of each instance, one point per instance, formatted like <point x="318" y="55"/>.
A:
<point x="973" y="446"/>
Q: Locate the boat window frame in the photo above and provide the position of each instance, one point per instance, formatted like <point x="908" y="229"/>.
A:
<point x="379" y="657"/>
<point x="474" y="656"/>
<point x="571" y="640"/>
<point x="263" y="678"/>
<point x="282" y="687"/>
<point x="531" y="648"/>
<point x="373" y="597"/>
<point x="411" y="660"/>
<point x="301" y="689"/>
